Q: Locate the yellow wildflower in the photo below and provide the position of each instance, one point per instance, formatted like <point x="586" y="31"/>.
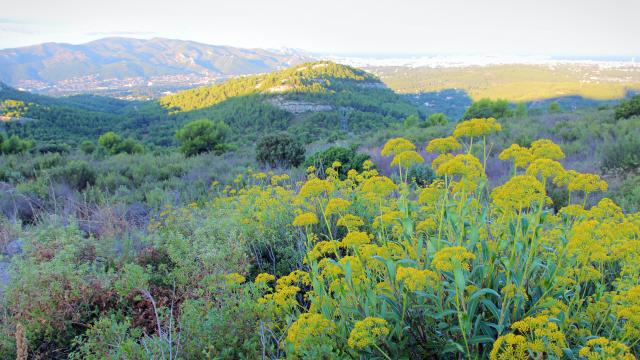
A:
<point x="477" y="127"/>
<point x="336" y="206"/>
<point x="519" y="192"/>
<point x="443" y="145"/>
<point x="604" y="349"/>
<point x="396" y="146"/>
<point x="263" y="278"/>
<point x="406" y="159"/>
<point x="546" y="149"/>
<point x="447" y="258"/>
<point x="520" y="156"/>
<point x="416" y="280"/>
<point x="356" y="238"/>
<point x="234" y="279"/>
<point x="305" y="219"/>
<point x="367" y="332"/>
<point x="351" y="222"/>
<point x="309" y="331"/>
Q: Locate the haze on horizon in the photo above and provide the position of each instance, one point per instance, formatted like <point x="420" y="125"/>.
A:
<point x="544" y="27"/>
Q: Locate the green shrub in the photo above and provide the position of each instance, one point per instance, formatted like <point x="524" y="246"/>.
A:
<point x="201" y="136"/>
<point x="280" y="150"/>
<point x="628" y="108"/>
<point x="350" y="158"/>
<point x="622" y="155"/>
<point x="16" y="145"/>
<point x="116" y="144"/>
<point x="627" y="195"/>
<point x="421" y="174"/>
<point x="78" y="174"/>
<point x="436" y="119"/>
<point x="87" y="147"/>
<point x="486" y="108"/>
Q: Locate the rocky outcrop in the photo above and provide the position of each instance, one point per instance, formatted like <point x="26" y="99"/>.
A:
<point x="299" y="107"/>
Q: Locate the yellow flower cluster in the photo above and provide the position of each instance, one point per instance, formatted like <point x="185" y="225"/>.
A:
<point x="417" y="280"/>
<point x="351" y="222"/>
<point x="546" y="149"/>
<point x="263" y="278"/>
<point x="234" y="279"/>
<point x="477" y="127"/>
<point x="356" y="238"/>
<point x="308" y="331"/>
<point x="518" y="193"/>
<point x="315" y="187"/>
<point x="521" y="156"/>
<point x="605" y="349"/>
<point x="406" y="159"/>
<point x="305" y="219"/>
<point x="443" y="145"/>
<point x="450" y="257"/>
<point x="368" y="332"/>
<point x="336" y="206"/>
<point x="396" y="146"/>
<point x="537" y="337"/>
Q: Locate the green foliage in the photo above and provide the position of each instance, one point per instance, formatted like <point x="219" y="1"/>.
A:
<point x="280" y="150"/>
<point x="15" y="145"/>
<point x="436" y="119"/>
<point x="202" y="136"/>
<point x="109" y="338"/>
<point x="78" y="174"/>
<point x="411" y="121"/>
<point x="486" y="108"/>
<point x="421" y="174"/>
<point x="349" y="158"/>
<point x="627" y="195"/>
<point x="622" y="155"/>
<point x="116" y="144"/>
<point x="521" y="110"/>
<point x="554" y="107"/>
<point x="87" y="147"/>
<point x="628" y="108"/>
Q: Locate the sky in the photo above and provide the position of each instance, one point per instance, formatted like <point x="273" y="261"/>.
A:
<point x="509" y="27"/>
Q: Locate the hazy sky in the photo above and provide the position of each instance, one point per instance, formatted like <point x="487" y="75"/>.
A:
<point x="540" y="27"/>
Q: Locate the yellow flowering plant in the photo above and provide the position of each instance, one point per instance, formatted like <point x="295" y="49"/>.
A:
<point x="454" y="269"/>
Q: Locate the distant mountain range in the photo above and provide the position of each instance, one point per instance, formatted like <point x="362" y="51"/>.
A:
<point x="116" y="63"/>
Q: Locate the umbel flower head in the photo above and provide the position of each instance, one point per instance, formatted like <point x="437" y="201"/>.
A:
<point x="449" y="257"/>
<point x="305" y="219"/>
<point x="520" y="156"/>
<point x="368" y="332"/>
<point x="396" y="146"/>
<point x="416" y="280"/>
<point x="546" y="149"/>
<point x="603" y="348"/>
<point x="406" y="159"/>
<point x="443" y="145"/>
<point x="519" y="192"/>
<point x="309" y="331"/>
<point x="477" y="127"/>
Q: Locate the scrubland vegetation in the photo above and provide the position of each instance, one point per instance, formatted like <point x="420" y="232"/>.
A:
<point x="375" y="230"/>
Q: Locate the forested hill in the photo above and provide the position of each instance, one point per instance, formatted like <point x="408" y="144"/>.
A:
<point x="321" y="98"/>
<point x="315" y="101"/>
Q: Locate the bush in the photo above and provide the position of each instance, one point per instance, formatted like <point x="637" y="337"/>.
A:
<point x="487" y="108"/>
<point x="116" y="144"/>
<point x="87" y="147"/>
<point x="436" y="119"/>
<point x="350" y="158"/>
<point x="622" y="155"/>
<point x="15" y="145"/>
<point x="628" y="108"/>
<point x="280" y="150"/>
<point x="422" y="174"/>
<point x="628" y="194"/>
<point x="411" y="121"/>
<point x="78" y="174"/>
<point x="201" y="136"/>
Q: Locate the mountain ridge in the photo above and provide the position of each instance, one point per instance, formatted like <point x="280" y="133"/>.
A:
<point x="120" y="61"/>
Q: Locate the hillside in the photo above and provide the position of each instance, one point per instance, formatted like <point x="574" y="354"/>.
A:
<point x="314" y="100"/>
<point x="516" y="82"/>
<point x="117" y="63"/>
